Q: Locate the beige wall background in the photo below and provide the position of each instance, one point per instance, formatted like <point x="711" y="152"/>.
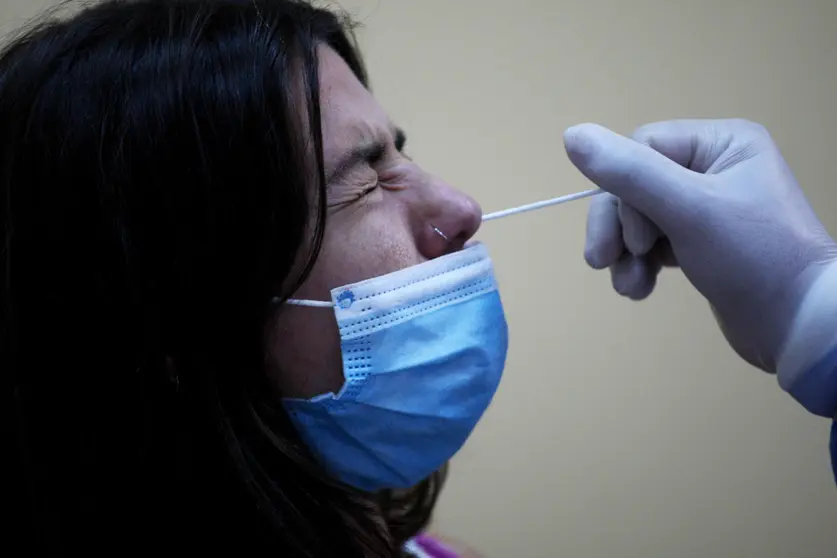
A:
<point x="621" y="429"/>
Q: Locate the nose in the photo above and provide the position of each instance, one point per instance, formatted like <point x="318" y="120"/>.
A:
<point x="447" y="218"/>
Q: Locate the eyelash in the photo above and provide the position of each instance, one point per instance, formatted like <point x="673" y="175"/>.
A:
<point x="378" y="156"/>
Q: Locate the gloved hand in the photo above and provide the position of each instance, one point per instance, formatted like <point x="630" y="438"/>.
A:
<point x="718" y="199"/>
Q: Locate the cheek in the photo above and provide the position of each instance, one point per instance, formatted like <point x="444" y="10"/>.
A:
<point x="303" y="344"/>
<point x="303" y="352"/>
<point x="377" y="240"/>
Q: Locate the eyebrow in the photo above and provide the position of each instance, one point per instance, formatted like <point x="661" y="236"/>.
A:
<point x="370" y="150"/>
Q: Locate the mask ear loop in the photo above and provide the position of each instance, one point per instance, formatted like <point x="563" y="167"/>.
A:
<point x="307" y="303"/>
<point x="310" y="303"/>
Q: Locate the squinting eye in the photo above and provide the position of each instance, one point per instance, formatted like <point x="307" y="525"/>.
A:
<point x="376" y="156"/>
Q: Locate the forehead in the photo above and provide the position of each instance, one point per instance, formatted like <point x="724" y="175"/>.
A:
<point x="350" y="114"/>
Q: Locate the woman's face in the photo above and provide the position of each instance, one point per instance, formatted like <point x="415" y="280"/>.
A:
<point x="382" y="212"/>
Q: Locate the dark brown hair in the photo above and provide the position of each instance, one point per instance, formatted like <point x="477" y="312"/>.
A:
<point x="154" y="198"/>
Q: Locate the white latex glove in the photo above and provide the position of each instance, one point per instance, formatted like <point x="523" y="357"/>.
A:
<point x="718" y="199"/>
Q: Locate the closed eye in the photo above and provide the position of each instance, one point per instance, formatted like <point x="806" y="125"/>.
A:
<point x="370" y="188"/>
<point x="375" y="154"/>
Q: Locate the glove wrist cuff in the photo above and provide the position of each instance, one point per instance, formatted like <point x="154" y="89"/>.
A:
<point x="806" y="364"/>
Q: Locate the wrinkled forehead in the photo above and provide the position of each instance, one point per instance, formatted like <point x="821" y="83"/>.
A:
<point x="350" y="114"/>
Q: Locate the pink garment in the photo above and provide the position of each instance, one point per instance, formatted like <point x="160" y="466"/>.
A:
<point x="425" y="546"/>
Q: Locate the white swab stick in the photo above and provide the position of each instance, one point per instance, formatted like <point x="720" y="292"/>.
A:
<point x="540" y="204"/>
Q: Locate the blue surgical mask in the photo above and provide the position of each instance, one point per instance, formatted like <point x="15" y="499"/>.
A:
<point x="423" y="352"/>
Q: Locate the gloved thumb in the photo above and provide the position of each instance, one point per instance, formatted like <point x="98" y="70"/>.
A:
<point x="641" y="177"/>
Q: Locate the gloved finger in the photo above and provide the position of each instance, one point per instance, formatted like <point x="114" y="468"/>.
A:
<point x="634" y="276"/>
<point x="604" y="232"/>
<point x="650" y="182"/>
<point x="696" y="144"/>
<point x="638" y="231"/>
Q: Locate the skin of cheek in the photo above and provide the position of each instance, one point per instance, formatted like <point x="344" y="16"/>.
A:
<point x="368" y="239"/>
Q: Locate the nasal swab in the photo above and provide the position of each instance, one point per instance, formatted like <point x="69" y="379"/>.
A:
<point x="487" y="217"/>
<point x="540" y="204"/>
